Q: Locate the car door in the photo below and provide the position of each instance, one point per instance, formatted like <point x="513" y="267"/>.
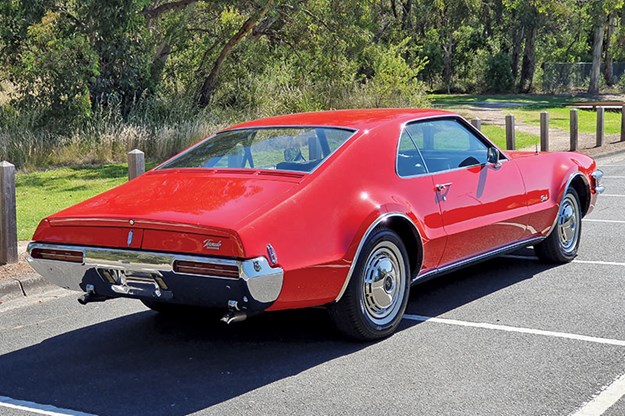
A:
<point x="483" y="205"/>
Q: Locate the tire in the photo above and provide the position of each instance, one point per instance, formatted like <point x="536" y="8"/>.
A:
<point x="562" y="243"/>
<point x="371" y="308"/>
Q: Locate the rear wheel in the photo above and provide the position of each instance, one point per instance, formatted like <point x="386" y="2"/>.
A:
<point x="376" y="296"/>
<point x="562" y="243"/>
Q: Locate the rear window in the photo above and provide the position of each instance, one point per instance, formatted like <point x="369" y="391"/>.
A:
<point x="299" y="149"/>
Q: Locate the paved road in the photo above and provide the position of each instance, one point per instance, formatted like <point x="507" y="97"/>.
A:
<point x="509" y="337"/>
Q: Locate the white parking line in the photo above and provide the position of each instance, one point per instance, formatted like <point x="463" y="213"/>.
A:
<point x="614" y="177"/>
<point x="610" y="221"/>
<point x="616" y="195"/>
<point x="505" y="328"/>
<point x="41" y="409"/>
<point x="603" y="263"/>
<point x="605" y="399"/>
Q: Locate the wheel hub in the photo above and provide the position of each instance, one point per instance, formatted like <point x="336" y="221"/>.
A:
<point x="383" y="283"/>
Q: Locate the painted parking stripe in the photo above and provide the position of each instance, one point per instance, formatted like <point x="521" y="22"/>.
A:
<point x="41" y="409"/>
<point x="609" y="221"/>
<point x="605" y="399"/>
<point x="506" y="328"/>
<point x="614" y="195"/>
<point x="603" y="263"/>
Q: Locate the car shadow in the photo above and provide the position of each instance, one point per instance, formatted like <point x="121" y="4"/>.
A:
<point x="145" y="363"/>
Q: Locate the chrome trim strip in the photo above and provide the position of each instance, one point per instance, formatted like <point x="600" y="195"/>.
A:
<point x="375" y="223"/>
<point x="263" y="281"/>
<point x="476" y="259"/>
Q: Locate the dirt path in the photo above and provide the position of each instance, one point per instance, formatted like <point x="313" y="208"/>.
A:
<point x="559" y="140"/>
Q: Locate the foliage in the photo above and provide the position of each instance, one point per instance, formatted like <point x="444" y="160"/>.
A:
<point x="95" y="77"/>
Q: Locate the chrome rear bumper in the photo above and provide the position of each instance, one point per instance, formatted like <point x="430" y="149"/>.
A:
<point x="140" y="274"/>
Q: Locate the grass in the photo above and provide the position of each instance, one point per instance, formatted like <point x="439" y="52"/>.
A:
<point x="560" y="118"/>
<point x="498" y="136"/>
<point x="537" y="101"/>
<point x="39" y="194"/>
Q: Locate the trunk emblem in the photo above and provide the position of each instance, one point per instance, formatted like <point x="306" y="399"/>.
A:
<point x="132" y="222"/>
<point x="212" y="245"/>
<point x="273" y="258"/>
<point x="130" y="236"/>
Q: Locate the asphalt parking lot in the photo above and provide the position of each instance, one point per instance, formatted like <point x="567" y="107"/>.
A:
<point x="512" y="336"/>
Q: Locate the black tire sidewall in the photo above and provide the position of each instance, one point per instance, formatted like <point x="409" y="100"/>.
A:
<point x="372" y="329"/>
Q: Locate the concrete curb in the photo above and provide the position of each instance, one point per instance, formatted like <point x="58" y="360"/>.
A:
<point x="23" y="286"/>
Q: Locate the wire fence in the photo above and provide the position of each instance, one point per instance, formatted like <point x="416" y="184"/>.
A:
<point x="570" y="76"/>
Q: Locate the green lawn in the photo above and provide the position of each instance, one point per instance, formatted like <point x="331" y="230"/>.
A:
<point x="39" y="194"/>
<point x="498" y="136"/>
<point x="560" y="118"/>
<point x="453" y="101"/>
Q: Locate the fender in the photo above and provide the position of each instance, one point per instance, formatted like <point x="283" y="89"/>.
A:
<point x="562" y="193"/>
<point x="379" y="220"/>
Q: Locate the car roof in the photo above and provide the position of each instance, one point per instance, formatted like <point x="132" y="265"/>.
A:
<point x="353" y="119"/>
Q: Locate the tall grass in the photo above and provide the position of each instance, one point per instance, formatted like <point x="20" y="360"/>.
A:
<point x="162" y="126"/>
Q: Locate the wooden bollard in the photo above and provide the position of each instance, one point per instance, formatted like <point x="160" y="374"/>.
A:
<point x="510" y="133"/>
<point x="8" y="218"/>
<point x="600" y="126"/>
<point x="136" y="164"/>
<point x="544" y="131"/>
<point x="574" y="129"/>
<point x="477" y="123"/>
<point x="623" y="124"/>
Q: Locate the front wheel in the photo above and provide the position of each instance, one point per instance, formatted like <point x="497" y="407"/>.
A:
<point x="376" y="296"/>
<point x="562" y="243"/>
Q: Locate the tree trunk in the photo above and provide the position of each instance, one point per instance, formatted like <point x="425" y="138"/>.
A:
<point x="516" y="50"/>
<point x="608" y="74"/>
<point x="208" y="87"/>
<point x="447" y="56"/>
<point x="597" y="46"/>
<point x="405" y="16"/>
<point x="529" y="61"/>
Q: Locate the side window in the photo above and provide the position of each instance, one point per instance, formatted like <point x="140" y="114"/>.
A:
<point x="447" y="144"/>
<point x="409" y="160"/>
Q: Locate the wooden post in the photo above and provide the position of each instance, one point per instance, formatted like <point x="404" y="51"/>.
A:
<point x="544" y="131"/>
<point x="8" y="218"/>
<point x="477" y="123"/>
<point x="136" y="163"/>
<point x="623" y="124"/>
<point x="510" y="133"/>
<point x="600" y="126"/>
<point x="574" y="126"/>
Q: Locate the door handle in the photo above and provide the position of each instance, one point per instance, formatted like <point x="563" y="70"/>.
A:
<point x="442" y="186"/>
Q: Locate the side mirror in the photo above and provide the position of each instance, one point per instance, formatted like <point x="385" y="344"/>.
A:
<point x="492" y="157"/>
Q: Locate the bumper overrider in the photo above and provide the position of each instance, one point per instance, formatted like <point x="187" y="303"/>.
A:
<point x="241" y="285"/>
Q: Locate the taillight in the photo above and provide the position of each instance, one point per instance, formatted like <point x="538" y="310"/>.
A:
<point x="206" y="269"/>
<point x="59" y="255"/>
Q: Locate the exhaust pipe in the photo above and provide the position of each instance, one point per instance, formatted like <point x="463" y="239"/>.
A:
<point x="91" y="296"/>
<point x="234" y="313"/>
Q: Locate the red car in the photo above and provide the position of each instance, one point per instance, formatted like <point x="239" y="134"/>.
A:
<point x="345" y="209"/>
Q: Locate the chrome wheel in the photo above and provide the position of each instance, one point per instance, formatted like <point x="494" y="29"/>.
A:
<point x="384" y="283"/>
<point x="568" y="224"/>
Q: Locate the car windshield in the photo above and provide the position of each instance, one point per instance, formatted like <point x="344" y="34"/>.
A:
<point x="299" y="149"/>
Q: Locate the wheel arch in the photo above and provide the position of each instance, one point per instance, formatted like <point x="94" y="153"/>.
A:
<point x="579" y="182"/>
<point x="407" y="231"/>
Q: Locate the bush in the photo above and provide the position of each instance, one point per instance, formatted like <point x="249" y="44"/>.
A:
<point x="499" y="73"/>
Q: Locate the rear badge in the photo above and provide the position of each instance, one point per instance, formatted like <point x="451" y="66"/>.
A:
<point x="130" y="236"/>
<point x="212" y="245"/>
